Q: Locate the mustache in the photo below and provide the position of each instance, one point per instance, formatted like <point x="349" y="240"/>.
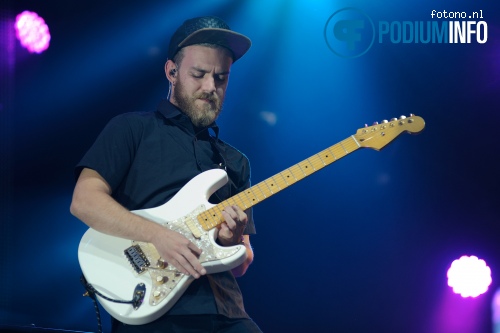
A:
<point x="210" y="97"/>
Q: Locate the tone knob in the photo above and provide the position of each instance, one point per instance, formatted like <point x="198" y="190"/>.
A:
<point x="161" y="264"/>
<point x="161" y="279"/>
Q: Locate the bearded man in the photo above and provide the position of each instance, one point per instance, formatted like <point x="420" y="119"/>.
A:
<point x="141" y="160"/>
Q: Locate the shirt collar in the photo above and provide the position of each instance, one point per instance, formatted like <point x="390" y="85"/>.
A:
<point x="169" y="111"/>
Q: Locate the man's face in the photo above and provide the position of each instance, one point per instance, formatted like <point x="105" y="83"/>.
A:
<point x="200" y="86"/>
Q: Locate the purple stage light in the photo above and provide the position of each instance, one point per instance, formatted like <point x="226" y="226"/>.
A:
<point x="495" y="311"/>
<point x="32" y="32"/>
<point x="469" y="276"/>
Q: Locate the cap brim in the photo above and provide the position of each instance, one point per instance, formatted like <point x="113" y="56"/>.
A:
<point x="237" y="43"/>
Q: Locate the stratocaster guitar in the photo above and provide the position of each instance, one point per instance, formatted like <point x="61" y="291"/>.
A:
<point x="122" y="269"/>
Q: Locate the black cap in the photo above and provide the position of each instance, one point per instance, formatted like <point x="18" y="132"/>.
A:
<point x="208" y="29"/>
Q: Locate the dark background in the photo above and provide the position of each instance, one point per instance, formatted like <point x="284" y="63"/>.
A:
<point x="362" y="246"/>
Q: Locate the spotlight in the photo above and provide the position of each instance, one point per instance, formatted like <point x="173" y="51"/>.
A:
<point x="469" y="276"/>
<point x="495" y="311"/>
<point x="32" y="32"/>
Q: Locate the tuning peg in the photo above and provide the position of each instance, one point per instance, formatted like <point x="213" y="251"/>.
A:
<point x="412" y="115"/>
<point x="402" y="117"/>
<point x="366" y="125"/>
<point x="384" y="121"/>
<point x="375" y="123"/>
<point x="394" y="119"/>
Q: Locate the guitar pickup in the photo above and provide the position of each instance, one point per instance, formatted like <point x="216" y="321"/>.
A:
<point x="137" y="258"/>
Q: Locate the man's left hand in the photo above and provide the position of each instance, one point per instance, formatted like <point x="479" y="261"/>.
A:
<point x="231" y="230"/>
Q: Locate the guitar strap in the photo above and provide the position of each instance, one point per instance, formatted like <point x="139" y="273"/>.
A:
<point x="225" y="191"/>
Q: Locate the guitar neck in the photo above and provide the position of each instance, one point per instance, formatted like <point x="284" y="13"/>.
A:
<point x="213" y="217"/>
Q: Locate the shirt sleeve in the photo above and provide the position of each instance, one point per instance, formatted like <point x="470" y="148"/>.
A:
<point x="113" y="151"/>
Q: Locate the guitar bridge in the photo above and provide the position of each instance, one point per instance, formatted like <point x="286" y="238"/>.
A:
<point x="137" y="259"/>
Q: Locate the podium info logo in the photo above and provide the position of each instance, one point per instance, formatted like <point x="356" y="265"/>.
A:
<point x="350" y="32"/>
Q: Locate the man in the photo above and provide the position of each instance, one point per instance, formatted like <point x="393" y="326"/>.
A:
<point x="141" y="160"/>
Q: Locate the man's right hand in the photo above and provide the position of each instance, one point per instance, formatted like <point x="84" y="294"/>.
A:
<point x="179" y="252"/>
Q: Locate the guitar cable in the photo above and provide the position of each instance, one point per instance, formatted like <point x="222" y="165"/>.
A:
<point x="92" y="292"/>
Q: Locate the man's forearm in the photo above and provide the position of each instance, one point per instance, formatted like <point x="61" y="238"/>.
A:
<point x="241" y="269"/>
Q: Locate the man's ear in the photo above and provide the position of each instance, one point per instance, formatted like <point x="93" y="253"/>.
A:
<point x="171" y="71"/>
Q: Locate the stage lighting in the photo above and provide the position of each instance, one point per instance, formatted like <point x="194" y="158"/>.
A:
<point x="495" y="311"/>
<point x="469" y="276"/>
<point x="32" y="32"/>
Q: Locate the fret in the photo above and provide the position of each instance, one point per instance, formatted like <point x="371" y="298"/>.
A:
<point x="277" y="184"/>
<point x="253" y="198"/>
<point x="282" y="176"/>
<point x="303" y="170"/>
<point x="296" y="172"/>
<point x="309" y="160"/>
<point x="322" y="161"/>
<point x="238" y="198"/>
<point x="331" y="153"/>
<point x="269" y="188"/>
<point x="346" y="152"/>
<point x="286" y="174"/>
<point x="210" y="217"/>
<point x="340" y="150"/>
<point x="248" y="201"/>
<point x="319" y="161"/>
<point x="259" y="187"/>
<point x="231" y="201"/>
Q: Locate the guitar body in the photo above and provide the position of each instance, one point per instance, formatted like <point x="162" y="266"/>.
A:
<point x="116" y="274"/>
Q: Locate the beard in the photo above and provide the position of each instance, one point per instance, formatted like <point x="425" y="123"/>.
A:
<point x="201" y="116"/>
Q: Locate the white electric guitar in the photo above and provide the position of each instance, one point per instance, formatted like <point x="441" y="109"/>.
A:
<point x="121" y="269"/>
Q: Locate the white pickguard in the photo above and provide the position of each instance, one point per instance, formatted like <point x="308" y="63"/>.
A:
<point x="106" y="267"/>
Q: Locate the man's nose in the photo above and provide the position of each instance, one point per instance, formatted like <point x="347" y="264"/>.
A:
<point x="209" y="84"/>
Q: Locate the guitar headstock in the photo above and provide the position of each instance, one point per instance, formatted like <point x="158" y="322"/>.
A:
<point x="378" y="135"/>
